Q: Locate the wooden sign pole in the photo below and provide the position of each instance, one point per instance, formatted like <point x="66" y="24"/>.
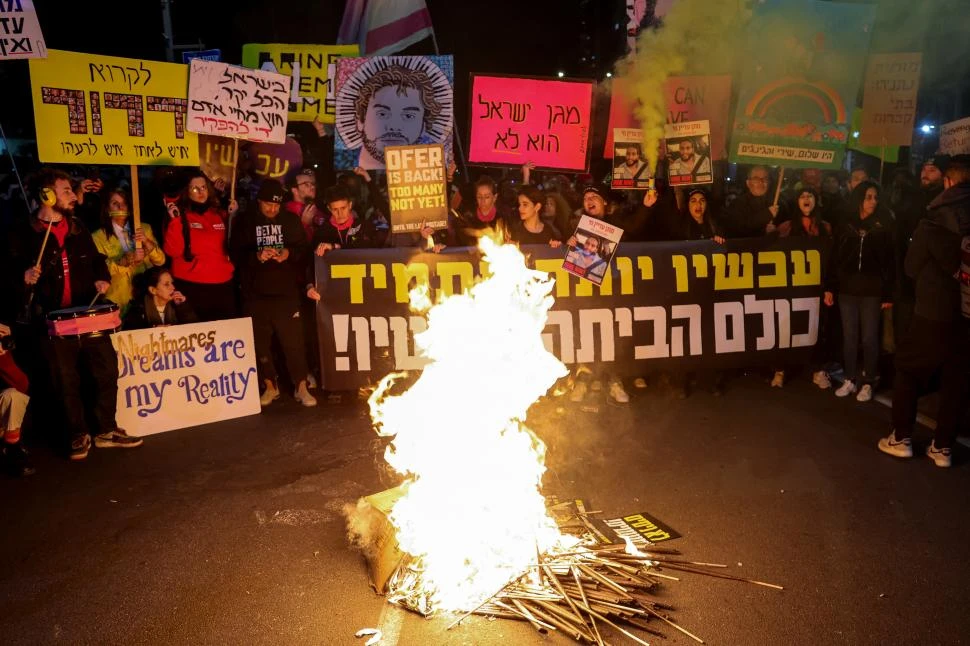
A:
<point x="135" y="203"/>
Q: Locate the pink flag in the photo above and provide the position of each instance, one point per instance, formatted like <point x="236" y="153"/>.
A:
<point x="384" y="26"/>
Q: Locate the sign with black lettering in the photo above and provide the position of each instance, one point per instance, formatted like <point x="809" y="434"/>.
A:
<point x="20" y="35"/>
<point x="889" y="99"/>
<point x="416" y="187"/>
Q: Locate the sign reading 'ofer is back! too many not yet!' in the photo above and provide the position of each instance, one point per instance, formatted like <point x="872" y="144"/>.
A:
<point x="416" y="187"/>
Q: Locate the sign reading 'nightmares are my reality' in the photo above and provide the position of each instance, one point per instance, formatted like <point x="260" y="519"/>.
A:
<point x="416" y="187"/>
<point x="185" y="375"/>
<point x="236" y="102"/>
<point x="670" y="305"/>
<point x="105" y="110"/>
<point x="519" y="120"/>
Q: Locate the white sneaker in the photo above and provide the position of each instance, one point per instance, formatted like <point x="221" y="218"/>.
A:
<point x="311" y="381"/>
<point x="271" y="394"/>
<point x="640" y="383"/>
<point x="821" y="379"/>
<point x="941" y="457"/>
<point x="865" y="393"/>
<point x="578" y="393"/>
<point x="847" y="388"/>
<point x="617" y="393"/>
<point x="303" y="396"/>
<point x="778" y="381"/>
<point x="901" y="449"/>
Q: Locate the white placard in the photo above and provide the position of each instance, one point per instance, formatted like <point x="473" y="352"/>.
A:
<point x="176" y="376"/>
<point x="232" y="101"/>
<point x="20" y="35"/>
<point x="955" y="137"/>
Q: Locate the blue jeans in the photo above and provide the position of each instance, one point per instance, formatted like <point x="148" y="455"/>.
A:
<point x="864" y="312"/>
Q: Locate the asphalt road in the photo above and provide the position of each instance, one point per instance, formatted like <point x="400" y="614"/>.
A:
<point x="232" y="533"/>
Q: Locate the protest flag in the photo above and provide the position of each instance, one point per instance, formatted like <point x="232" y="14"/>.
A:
<point x="384" y="26"/>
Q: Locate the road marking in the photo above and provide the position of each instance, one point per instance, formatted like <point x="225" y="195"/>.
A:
<point x="389" y="623"/>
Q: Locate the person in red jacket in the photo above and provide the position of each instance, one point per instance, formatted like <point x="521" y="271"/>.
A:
<point x="195" y="240"/>
<point x="13" y="406"/>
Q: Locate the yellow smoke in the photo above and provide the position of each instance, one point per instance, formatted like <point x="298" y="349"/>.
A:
<point x="697" y="37"/>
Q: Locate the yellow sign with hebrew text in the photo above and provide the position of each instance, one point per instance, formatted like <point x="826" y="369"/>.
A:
<point x="91" y="109"/>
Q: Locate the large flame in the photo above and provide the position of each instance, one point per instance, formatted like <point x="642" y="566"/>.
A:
<point x="472" y="517"/>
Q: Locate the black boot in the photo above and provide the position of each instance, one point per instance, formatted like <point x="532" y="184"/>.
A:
<point x="16" y="460"/>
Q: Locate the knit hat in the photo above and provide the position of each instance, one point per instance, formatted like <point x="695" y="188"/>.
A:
<point x="271" y="191"/>
<point x="940" y="161"/>
<point x="598" y="190"/>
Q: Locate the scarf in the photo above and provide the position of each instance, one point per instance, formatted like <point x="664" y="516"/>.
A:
<point x="487" y="217"/>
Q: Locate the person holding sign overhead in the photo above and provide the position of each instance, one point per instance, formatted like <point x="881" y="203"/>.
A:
<point x="196" y="239"/>
<point x="129" y="250"/>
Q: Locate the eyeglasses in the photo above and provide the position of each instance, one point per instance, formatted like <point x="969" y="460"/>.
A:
<point x="199" y="189"/>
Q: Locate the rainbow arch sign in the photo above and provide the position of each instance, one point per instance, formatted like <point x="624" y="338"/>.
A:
<point x="805" y="64"/>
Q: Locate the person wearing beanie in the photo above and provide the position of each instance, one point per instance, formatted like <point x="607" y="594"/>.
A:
<point x="268" y="246"/>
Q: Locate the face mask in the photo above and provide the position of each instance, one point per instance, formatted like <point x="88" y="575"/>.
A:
<point x="118" y="214"/>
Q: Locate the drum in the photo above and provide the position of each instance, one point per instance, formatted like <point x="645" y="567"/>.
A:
<point x="76" y="322"/>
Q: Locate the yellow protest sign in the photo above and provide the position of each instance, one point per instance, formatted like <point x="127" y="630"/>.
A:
<point x="310" y="67"/>
<point x="92" y="109"/>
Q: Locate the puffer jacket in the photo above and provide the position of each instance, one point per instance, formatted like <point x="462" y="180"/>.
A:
<point x="863" y="258"/>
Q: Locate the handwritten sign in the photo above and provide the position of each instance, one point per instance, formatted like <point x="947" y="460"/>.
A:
<point x="311" y="72"/>
<point x="518" y="120"/>
<point x="889" y="99"/>
<point x="236" y="102"/>
<point x="105" y="110"/>
<point x="185" y="375"/>
<point x="416" y="187"/>
<point x="20" y="35"/>
<point x="955" y="137"/>
<point x="275" y="161"/>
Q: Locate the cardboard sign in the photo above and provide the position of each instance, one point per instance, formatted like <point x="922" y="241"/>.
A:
<point x="416" y="187"/>
<point x="20" y="35"/>
<point x="889" y="99"/>
<point x="795" y="103"/>
<point x="886" y="153"/>
<point x="204" y="54"/>
<point x="184" y="375"/>
<point x="260" y="160"/>
<point x="392" y="101"/>
<point x="591" y="249"/>
<point x="236" y="102"/>
<point x="311" y="72"/>
<point x="955" y="137"/>
<point x="215" y="157"/>
<point x="701" y="98"/>
<point x="641" y="529"/>
<point x="629" y="165"/>
<point x="688" y="153"/>
<point x="519" y="120"/>
<point x="105" y="110"/>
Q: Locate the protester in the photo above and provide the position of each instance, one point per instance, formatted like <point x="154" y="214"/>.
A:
<point x="267" y="246"/>
<point x="196" y="241"/>
<point x="157" y="302"/>
<point x="856" y="177"/>
<point x="70" y="273"/>
<point x="557" y="212"/>
<point x="862" y="277"/>
<point x="750" y="214"/>
<point x="808" y="223"/>
<point x="119" y="241"/>
<point x="937" y="344"/>
<point x="833" y="201"/>
<point x="910" y="209"/>
<point x="697" y="223"/>
<point x="302" y="202"/>
<point x="487" y="216"/>
<point x="530" y="229"/>
<point x="594" y="205"/>
<point x="14" y="459"/>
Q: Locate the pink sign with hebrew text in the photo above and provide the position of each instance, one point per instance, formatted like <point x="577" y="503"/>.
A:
<point x="518" y="120"/>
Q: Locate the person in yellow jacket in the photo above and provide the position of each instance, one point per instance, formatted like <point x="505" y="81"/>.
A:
<point x="116" y="240"/>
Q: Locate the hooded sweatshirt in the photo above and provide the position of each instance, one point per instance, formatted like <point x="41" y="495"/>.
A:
<point x="933" y="258"/>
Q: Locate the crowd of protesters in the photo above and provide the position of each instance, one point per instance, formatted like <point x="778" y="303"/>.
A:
<point x="889" y="272"/>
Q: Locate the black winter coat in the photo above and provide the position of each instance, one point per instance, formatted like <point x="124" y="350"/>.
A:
<point x="863" y="261"/>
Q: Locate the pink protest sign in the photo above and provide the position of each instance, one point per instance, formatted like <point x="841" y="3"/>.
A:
<point x="519" y="120"/>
